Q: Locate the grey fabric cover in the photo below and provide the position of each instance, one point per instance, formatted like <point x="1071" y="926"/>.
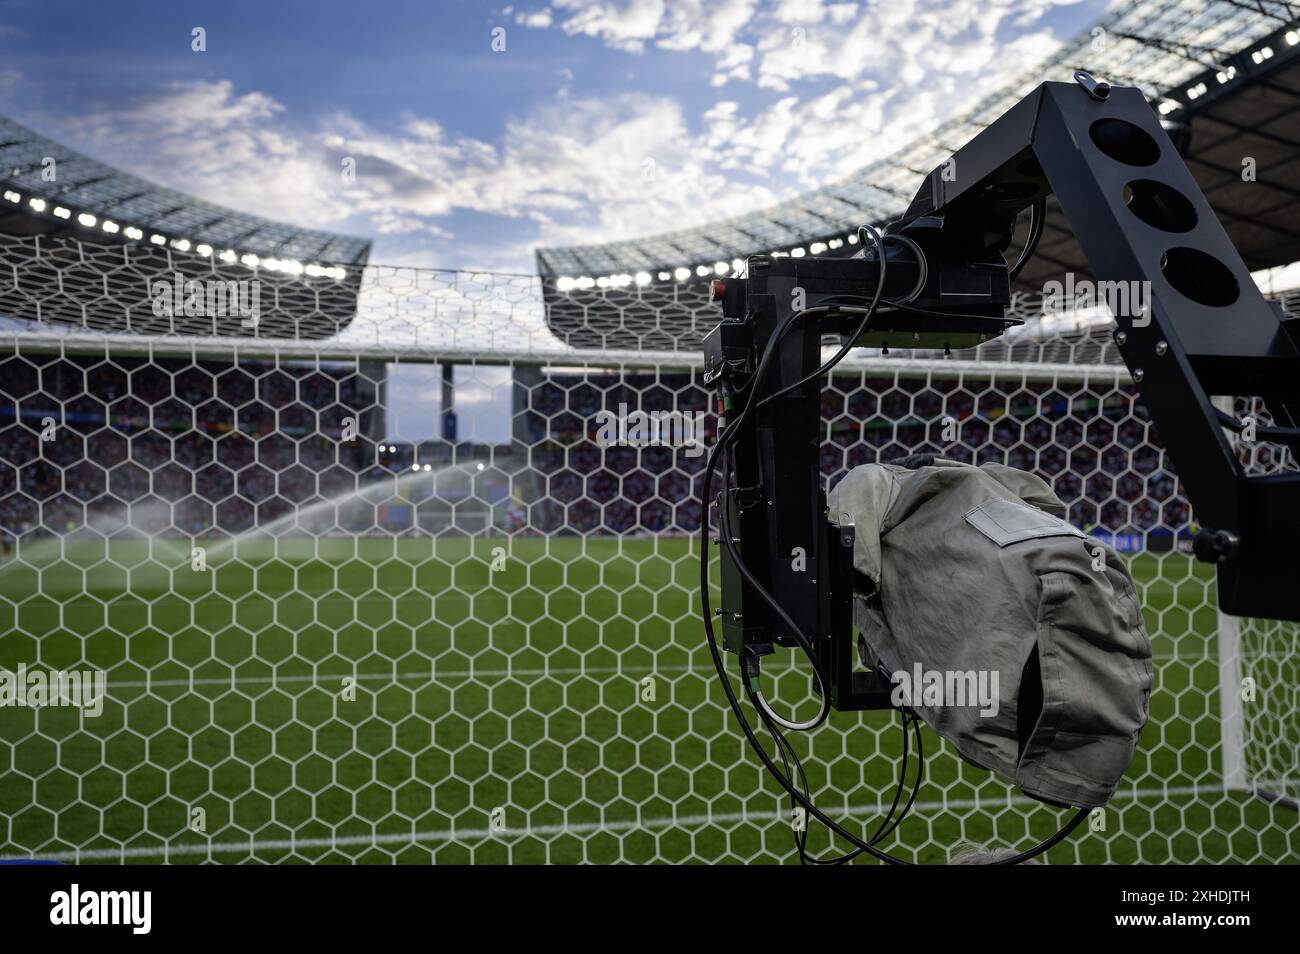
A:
<point x="974" y="567"/>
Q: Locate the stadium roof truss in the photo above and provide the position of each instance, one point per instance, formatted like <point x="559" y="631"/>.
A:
<point x="89" y="199"/>
<point x="1220" y="72"/>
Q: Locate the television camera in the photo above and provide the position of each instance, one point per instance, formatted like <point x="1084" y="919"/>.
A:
<point x="938" y="278"/>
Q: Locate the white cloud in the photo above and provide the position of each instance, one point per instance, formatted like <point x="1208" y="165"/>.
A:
<point x="898" y="69"/>
<point x="625" y="26"/>
<point x="801" y="39"/>
<point x="537" y="19"/>
<point x="613" y="167"/>
<point x="807" y="91"/>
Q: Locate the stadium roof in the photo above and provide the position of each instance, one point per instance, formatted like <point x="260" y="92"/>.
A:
<point x="1235" y="124"/>
<point x="1170" y="49"/>
<point x="85" y="186"/>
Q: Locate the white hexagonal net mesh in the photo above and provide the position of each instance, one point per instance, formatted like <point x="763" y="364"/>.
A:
<point x="322" y="639"/>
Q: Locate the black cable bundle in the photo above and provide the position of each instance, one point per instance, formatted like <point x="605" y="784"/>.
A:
<point x="749" y="663"/>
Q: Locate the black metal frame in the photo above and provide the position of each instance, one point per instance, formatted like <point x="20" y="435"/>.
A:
<point x="775" y="502"/>
<point x="1208" y="332"/>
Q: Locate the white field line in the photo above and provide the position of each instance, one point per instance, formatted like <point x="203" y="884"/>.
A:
<point x="332" y="679"/>
<point x="764" y="819"/>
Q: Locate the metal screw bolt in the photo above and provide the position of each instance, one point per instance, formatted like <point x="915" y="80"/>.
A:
<point x="1162" y="348"/>
<point x="1121" y="337"/>
<point x="1138" y="375"/>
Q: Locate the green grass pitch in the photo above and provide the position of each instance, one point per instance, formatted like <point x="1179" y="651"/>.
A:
<point x="504" y="715"/>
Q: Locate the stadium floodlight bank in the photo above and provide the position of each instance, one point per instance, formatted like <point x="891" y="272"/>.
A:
<point x="92" y="247"/>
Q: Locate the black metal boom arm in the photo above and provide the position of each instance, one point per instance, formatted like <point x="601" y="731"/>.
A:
<point x="1192" y="327"/>
<point x="1203" y="331"/>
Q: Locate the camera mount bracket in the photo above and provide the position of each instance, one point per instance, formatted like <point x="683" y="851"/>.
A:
<point x="1191" y="326"/>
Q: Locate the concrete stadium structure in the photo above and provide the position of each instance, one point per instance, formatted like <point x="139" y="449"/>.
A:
<point x="85" y="245"/>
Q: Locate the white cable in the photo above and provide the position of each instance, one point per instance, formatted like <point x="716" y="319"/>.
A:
<point x="794" y="726"/>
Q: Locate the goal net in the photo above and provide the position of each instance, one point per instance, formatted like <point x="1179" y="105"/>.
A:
<point x="426" y="591"/>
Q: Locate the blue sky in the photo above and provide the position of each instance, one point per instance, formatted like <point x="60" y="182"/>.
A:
<point x="599" y="120"/>
<point x="470" y="157"/>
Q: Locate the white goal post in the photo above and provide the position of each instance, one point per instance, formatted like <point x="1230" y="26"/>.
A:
<point x="331" y="644"/>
